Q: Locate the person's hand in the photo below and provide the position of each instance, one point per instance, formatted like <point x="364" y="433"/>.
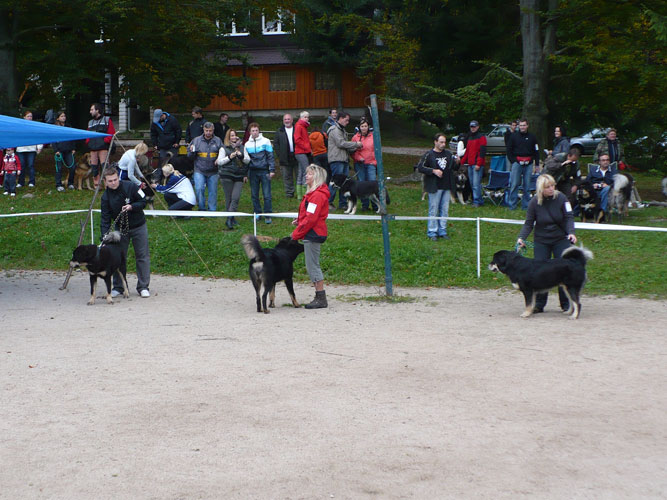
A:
<point x="437" y="173"/>
<point x="192" y="148"/>
<point x="521" y="243"/>
<point x="272" y="175"/>
<point x="295" y="222"/>
<point x="175" y="145"/>
<point x="126" y="208"/>
<point x="360" y="145"/>
<point x="572" y="238"/>
<point x="574" y="189"/>
<point x="142" y="185"/>
<point x="477" y="167"/>
<point x="245" y="179"/>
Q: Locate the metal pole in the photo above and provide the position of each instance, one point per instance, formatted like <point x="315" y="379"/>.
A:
<point x="388" y="280"/>
<point x="92" y="229"/>
<point x="479" y="258"/>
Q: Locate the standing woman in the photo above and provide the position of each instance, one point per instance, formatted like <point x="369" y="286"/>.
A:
<point x="99" y="146"/>
<point x="233" y="173"/>
<point x="64" y="156"/>
<point x="129" y="166"/>
<point x="550" y="213"/>
<point x="27" y="156"/>
<point x="311" y="227"/>
<point x="302" y="151"/>
<point x="364" y="158"/>
<point x="561" y="141"/>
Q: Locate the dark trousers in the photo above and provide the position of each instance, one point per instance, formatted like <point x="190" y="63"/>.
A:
<point x="260" y="178"/>
<point x="142" y="257"/>
<point x="10" y="183"/>
<point x="27" y="160"/>
<point x="175" y="203"/>
<point x="289" y="174"/>
<point x="323" y="161"/>
<point x="544" y="251"/>
<point x="65" y="163"/>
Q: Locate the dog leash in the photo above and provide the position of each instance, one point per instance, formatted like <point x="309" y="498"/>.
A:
<point x="58" y="157"/>
<point x="123" y="224"/>
<point x="521" y="250"/>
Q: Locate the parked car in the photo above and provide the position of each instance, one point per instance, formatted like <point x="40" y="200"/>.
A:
<point x="495" y="140"/>
<point x="588" y="142"/>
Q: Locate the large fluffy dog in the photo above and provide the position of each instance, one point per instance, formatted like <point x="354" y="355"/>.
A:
<point x="463" y="189"/>
<point x="83" y="172"/>
<point x="268" y="266"/>
<point x="354" y="190"/>
<point x="102" y="262"/>
<point x="534" y="276"/>
<point x="589" y="203"/>
<point x="620" y="194"/>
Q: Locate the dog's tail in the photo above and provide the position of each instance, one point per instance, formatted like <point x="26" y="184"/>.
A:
<point x="112" y="237"/>
<point x="620" y="181"/>
<point x="252" y="247"/>
<point x="580" y="254"/>
<point x="386" y="196"/>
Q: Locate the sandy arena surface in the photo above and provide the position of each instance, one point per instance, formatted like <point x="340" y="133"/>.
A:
<point x="192" y="394"/>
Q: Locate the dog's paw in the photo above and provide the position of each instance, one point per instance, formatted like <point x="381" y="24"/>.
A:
<point x="91" y="302"/>
<point x="526" y="314"/>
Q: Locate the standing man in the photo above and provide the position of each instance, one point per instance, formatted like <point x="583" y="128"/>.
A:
<point x="258" y="155"/>
<point x="610" y="146"/>
<point x="286" y="159"/>
<point x="205" y="149"/>
<point x="222" y="127"/>
<point x="125" y="196"/>
<point x="339" y="153"/>
<point x="196" y="126"/>
<point x="437" y="166"/>
<point x="524" y="153"/>
<point x="302" y="151"/>
<point x="166" y="133"/>
<point x="474" y="158"/>
<point x="99" y="146"/>
<point x="330" y="121"/>
<point x="506" y="136"/>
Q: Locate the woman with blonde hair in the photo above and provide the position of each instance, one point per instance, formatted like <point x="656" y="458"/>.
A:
<point x="550" y="214"/>
<point x="311" y="227"/>
<point x="178" y="191"/>
<point x="233" y="173"/>
<point x="129" y="166"/>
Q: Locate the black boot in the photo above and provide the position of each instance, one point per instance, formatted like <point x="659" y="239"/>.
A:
<point x="228" y="223"/>
<point x="319" y="302"/>
<point x="234" y="222"/>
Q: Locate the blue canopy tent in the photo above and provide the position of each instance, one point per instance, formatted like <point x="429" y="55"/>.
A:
<point x="16" y="132"/>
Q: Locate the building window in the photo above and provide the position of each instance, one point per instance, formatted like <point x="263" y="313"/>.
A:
<point x="276" y="26"/>
<point x="281" y="81"/>
<point x="325" y="80"/>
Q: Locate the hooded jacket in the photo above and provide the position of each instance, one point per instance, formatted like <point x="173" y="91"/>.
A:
<point x="301" y="141"/>
<point x="312" y="219"/>
<point x="258" y="154"/>
<point x="165" y="134"/>
<point x="113" y="201"/>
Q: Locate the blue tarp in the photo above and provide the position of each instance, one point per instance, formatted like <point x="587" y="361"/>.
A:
<point x="16" y="132"/>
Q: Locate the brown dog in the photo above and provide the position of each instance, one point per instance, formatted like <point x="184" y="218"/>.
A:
<point x="83" y="172"/>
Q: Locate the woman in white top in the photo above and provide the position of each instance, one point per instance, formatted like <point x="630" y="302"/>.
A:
<point x="27" y="156"/>
<point x="128" y="164"/>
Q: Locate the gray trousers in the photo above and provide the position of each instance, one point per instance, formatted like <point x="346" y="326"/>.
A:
<point x="232" y="190"/>
<point x="139" y="237"/>
<point x="311" y="251"/>
<point x="303" y="162"/>
<point x="289" y="174"/>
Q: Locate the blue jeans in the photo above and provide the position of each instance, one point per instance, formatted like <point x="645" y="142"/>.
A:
<point x="604" y="196"/>
<point x="338" y="167"/>
<point x="517" y="173"/>
<point x="438" y="206"/>
<point x="475" y="178"/>
<point x="202" y="182"/>
<point x="257" y="178"/>
<point x="27" y="165"/>
<point x="365" y="172"/>
<point x="544" y="251"/>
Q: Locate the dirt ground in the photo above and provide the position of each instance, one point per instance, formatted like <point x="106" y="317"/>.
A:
<point x="192" y="394"/>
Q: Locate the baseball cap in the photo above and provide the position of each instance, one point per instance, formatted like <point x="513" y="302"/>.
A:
<point x="474" y="123"/>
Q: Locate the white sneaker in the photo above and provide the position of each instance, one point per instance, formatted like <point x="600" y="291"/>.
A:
<point x="31" y="185"/>
<point x="13" y="194"/>
<point x="145" y="293"/>
<point x="6" y="193"/>
<point x="61" y="189"/>
<point x="19" y="185"/>
<point x="115" y="293"/>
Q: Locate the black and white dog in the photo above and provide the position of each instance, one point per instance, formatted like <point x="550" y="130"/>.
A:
<point x="534" y="276"/>
<point x="268" y="266"/>
<point x="590" y="207"/>
<point x="463" y="189"/>
<point x="354" y="190"/>
<point x="620" y="194"/>
<point x="102" y="262"/>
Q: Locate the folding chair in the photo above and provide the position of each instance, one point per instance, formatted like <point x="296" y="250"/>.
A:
<point x="499" y="182"/>
<point x="533" y="186"/>
<point x="498" y="163"/>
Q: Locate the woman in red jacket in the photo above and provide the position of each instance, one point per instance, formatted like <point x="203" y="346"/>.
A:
<point x="302" y="150"/>
<point x="311" y="227"/>
<point x="365" y="163"/>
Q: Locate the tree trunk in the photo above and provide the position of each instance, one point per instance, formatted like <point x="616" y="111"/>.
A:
<point x="536" y="64"/>
<point x="339" y="89"/>
<point x="8" y="77"/>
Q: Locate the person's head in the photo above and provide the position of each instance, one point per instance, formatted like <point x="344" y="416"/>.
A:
<point x="513" y="125"/>
<point x="304" y="115"/>
<point x="287" y="120"/>
<point x="604" y="161"/>
<point x="230" y="137"/>
<point x="364" y="127"/>
<point x="545" y="187"/>
<point x="333" y="113"/>
<point x="474" y="126"/>
<point x="223" y="118"/>
<point x="343" y="118"/>
<point x="96" y="110"/>
<point x="254" y="130"/>
<point x="157" y="115"/>
<point x="141" y="149"/>
<point x="573" y="155"/>
<point x="208" y="130"/>
<point x="523" y="125"/>
<point x="559" y="131"/>
<point x="611" y="134"/>
<point x="168" y="169"/>
<point x="439" y="142"/>
<point x="315" y="176"/>
<point x="111" y="179"/>
<point x="9" y="151"/>
<point x="61" y="118"/>
<point x="196" y="112"/>
<point x="27" y="115"/>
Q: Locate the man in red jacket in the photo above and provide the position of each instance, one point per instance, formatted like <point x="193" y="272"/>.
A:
<point x="301" y="151"/>
<point x="474" y="158"/>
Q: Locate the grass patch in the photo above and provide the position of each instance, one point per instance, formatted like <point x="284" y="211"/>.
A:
<point x="381" y="297"/>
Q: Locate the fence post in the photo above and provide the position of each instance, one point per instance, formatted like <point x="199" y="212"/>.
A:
<point x="92" y="228"/>
<point x="254" y="223"/>
<point x="479" y="258"/>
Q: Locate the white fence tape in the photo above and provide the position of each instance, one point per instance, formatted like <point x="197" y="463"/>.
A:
<point x="292" y="215"/>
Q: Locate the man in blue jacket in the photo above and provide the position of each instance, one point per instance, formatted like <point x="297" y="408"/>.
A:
<point x="258" y="155"/>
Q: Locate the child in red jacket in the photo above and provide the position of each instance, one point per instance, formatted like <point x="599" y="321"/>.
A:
<point x="11" y="168"/>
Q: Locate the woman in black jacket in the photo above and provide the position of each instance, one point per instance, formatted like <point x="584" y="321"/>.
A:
<point x="64" y="156"/>
<point x="233" y="173"/>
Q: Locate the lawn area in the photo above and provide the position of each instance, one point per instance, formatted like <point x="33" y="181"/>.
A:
<point x="626" y="263"/>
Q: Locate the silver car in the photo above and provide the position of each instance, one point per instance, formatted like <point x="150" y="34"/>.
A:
<point x="495" y="140"/>
<point x="587" y="143"/>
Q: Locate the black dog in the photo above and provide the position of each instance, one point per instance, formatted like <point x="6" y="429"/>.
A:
<point x="589" y="203"/>
<point x="102" y="262"/>
<point x="353" y="190"/>
<point x="534" y="276"/>
<point x="463" y="189"/>
<point x="268" y="266"/>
